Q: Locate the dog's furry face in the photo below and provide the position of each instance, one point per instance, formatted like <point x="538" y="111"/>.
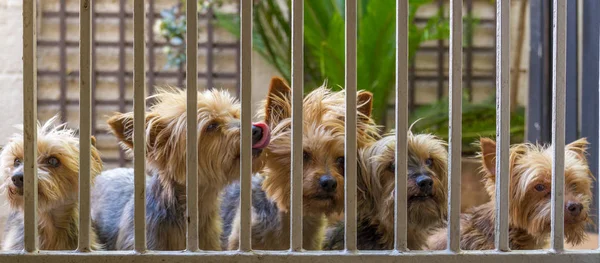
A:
<point x="58" y="166"/>
<point x="426" y="161"/>
<point x="218" y="136"/>
<point x="531" y="184"/>
<point x="322" y="142"/>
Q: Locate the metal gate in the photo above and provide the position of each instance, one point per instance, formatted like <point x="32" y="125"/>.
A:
<point x="296" y="254"/>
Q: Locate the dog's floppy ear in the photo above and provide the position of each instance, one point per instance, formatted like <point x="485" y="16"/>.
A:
<point x="278" y="106"/>
<point x="121" y="125"/>
<point x="579" y="147"/>
<point x="93" y="140"/>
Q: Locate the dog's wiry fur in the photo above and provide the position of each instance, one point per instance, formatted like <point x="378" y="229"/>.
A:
<point x="529" y="198"/>
<point x="323" y="145"/>
<point x="218" y="165"/>
<point x="427" y="156"/>
<point x="58" y="187"/>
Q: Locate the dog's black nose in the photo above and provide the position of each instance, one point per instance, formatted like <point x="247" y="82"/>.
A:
<point x="425" y="183"/>
<point x="17" y="179"/>
<point x="328" y="183"/>
<point x="574" y="208"/>
<point x="257" y="134"/>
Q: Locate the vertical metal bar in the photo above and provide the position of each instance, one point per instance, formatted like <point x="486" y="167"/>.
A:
<point x="401" y="221"/>
<point x="151" y="60"/>
<point x="559" y="22"/>
<point x="62" y="45"/>
<point x="502" y="122"/>
<point x="30" y="191"/>
<point x="297" y="91"/>
<point x="85" y="125"/>
<point x="192" y="123"/>
<point x="350" y="151"/>
<point x="139" y="121"/>
<point x="209" y="48"/>
<point x="455" y="131"/>
<point x="121" y="75"/>
<point x="245" y="148"/>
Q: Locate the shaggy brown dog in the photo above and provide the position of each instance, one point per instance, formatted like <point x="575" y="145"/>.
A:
<point x="529" y="198"/>
<point x="426" y="192"/>
<point x="218" y="165"/>
<point x="58" y="188"/>
<point x="323" y="176"/>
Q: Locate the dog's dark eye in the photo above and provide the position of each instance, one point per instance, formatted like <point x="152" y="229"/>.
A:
<point x="53" y="161"/>
<point x="212" y="126"/>
<point x="392" y="167"/>
<point x="540" y="187"/>
<point x="340" y="162"/>
<point x="17" y="162"/>
<point x="429" y="162"/>
<point x="305" y="156"/>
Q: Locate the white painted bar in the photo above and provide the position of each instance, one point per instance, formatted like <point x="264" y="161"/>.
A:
<point x="559" y="49"/>
<point x="139" y="125"/>
<point x="192" y="123"/>
<point x="350" y="142"/>
<point x="85" y="123"/>
<point x="400" y="220"/>
<point x="455" y="130"/>
<point x="30" y="125"/>
<point x="246" y="124"/>
<point x="502" y="122"/>
<point x="533" y="256"/>
<point x="297" y="91"/>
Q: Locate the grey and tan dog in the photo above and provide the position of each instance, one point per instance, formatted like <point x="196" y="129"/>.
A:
<point x="426" y="193"/>
<point x="58" y="185"/>
<point x="218" y="165"/>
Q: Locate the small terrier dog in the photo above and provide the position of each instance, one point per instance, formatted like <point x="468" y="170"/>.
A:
<point x="218" y="165"/>
<point x="58" y="187"/>
<point x="323" y="176"/>
<point x="426" y="193"/>
<point x="529" y="198"/>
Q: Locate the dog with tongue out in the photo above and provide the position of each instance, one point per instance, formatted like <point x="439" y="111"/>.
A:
<point x="218" y="117"/>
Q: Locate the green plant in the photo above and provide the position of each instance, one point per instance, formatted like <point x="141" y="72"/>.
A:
<point x="324" y="41"/>
<point x="477" y="120"/>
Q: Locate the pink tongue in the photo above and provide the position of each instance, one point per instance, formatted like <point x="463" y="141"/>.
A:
<point x="266" y="136"/>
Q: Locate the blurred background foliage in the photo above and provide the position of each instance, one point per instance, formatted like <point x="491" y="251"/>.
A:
<point x="324" y="54"/>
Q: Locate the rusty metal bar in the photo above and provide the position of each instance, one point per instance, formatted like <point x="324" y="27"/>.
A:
<point x="139" y="121"/>
<point x="559" y="83"/>
<point x="245" y="236"/>
<point x="350" y="139"/>
<point x="455" y="129"/>
<point x="30" y="185"/>
<point x="192" y="124"/>
<point x="85" y="125"/>
<point x="296" y="144"/>
<point x="502" y="123"/>
<point x="401" y="219"/>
